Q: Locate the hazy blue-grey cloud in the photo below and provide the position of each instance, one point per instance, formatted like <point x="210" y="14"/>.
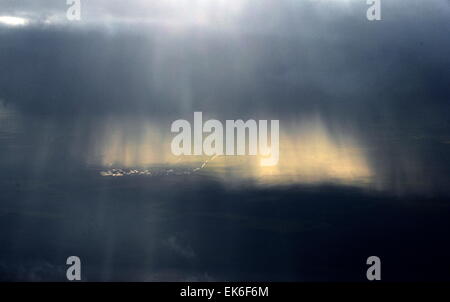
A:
<point x="65" y="86"/>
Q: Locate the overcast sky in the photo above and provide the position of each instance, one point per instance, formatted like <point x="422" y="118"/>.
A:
<point x="282" y="55"/>
<point x="287" y="60"/>
<point x="359" y="100"/>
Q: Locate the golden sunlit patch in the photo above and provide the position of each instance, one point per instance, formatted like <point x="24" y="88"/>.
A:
<point x="309" y="153"/>
<point x="312" y="155"/>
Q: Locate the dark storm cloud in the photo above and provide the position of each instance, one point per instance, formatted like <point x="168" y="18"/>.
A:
<point x="292" y="56"/>
<point x="61" y="82"/>
<point x="265" y="234"/>
<point x="279" y="60"/>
